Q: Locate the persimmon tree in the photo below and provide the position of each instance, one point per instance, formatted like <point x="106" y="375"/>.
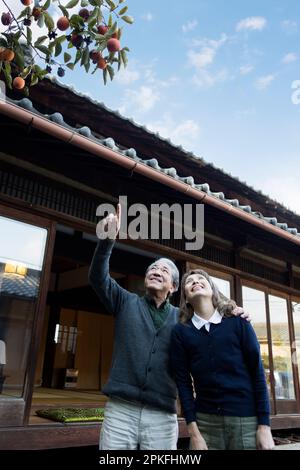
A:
<point x="51" y="36"/>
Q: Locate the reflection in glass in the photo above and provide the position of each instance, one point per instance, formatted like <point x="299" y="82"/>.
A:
<point x="22" y="249"/>
<point x="296" y="318"/>
<point x="283" y="374"/>
<point x="254" y="303"/>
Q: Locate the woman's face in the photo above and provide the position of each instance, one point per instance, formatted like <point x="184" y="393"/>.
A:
<point x="197" y="285"/>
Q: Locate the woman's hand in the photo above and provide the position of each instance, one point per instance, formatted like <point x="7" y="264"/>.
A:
<point x="264" y="439"/>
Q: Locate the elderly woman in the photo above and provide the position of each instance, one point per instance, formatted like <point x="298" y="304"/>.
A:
<point x="217" y="366"/>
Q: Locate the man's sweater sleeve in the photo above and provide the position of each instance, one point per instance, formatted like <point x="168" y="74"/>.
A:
<point x="253" y="359"/>
<point x="181" y="370"/>
<point x="108" y="290"/>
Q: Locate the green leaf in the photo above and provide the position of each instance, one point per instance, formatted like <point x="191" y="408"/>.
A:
<point x="72" y="4"/>
<point x="110" y="21"/>
<point x="112" y="30"/>
<point x="3" y="42"/>
<point x="111" y="4"/>
<point x="58" y="49"/>
<point x="26" y="72"/>
<point x="110" y="71"/>
<point x="48" y="21"/>
<point x="28" y="35"/>
<point x="60" y="39"/>
<point x="16" y="37"/>
<point x="42" y="74"/>
<point x="41" y="21"/>
<point x="40" y="40"/>
<point x="123" y="10"/>
<point x="64" y="10"/>
<point x="37" y="69"/>
<point x="87" y="67"/>
<point x="124" y="57"/>
<point x="34" y="79"/>
<point x="120" y="60"/>
<point x="43" y="49"/>
<point x="19" y="58"/>
<point x="78" y="56"/>
<point x="100" y="16"/>
<point x="127" y="19"/>
<point x="7" y="74"/>
<point x="47" y="5"/>
<point x="85" y="56"/>
<point x="105" y="76"/>
<point x="92" y="23"/>
<point x="71" y="66"/>
<point x="24" y="12"/>
<point x="67" y="57"/>
<point x="84" y="3"/>
<point x="76" y="21"/>
<point x="93" y="15"/>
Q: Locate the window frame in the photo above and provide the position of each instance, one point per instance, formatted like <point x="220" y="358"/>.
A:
<point x="14" y="411"/>
<point x="279" y="406"/>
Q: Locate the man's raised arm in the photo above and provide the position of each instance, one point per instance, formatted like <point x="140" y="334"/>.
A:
<point x="108" y="290"/>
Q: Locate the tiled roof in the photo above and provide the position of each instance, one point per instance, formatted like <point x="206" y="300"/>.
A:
<point x="21" y="286"/>
<point x="131" y="152"/>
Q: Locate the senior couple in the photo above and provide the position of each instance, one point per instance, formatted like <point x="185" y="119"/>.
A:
<point x="204" y="351"/>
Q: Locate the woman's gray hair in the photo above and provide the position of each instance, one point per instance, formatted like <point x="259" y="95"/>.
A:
<point x="173" y="268"/>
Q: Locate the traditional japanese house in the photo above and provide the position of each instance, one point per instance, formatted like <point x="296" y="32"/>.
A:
<point x="61" y="156"/>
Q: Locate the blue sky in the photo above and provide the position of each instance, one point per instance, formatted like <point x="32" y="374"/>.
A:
<point x="215" y="76"/>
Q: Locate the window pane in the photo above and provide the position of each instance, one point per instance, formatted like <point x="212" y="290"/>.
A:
<point x="223" y="285"/>
<point x="296" y="318"/>
<point x="254" y="303"/>
<point x="283" y="374"/>
<point x="22" y="249"/>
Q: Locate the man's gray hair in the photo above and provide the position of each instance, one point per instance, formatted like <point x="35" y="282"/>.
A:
<point x="173" y="268"/>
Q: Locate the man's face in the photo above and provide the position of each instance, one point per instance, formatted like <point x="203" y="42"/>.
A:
<point x="158" y="279"/>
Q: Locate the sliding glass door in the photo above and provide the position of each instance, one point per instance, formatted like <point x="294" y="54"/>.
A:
<point x="23" y="248"/>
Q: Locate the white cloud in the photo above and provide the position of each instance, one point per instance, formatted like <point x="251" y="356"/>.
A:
<point x="141" y="100"/>
<point x="181" y="133"/>
<point x="252" y="23"/>
<point x="263" y="82"/>
<point x="245" y="69"/>
<point x="189" y="26"/>
<point x="205" y="78"/>
<point x="289" y="26"/>
<point x="202" y="60"/>
<point x="147" y="16"/>
<point x="290" y="57"/>
<point x="127" y="76"/>
<point x="205" y="57"/>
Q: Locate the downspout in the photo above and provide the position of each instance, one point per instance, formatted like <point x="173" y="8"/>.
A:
<point x="44" y="125"/>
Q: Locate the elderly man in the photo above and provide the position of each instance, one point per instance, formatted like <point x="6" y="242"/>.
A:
<point x="140" y="412"/>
